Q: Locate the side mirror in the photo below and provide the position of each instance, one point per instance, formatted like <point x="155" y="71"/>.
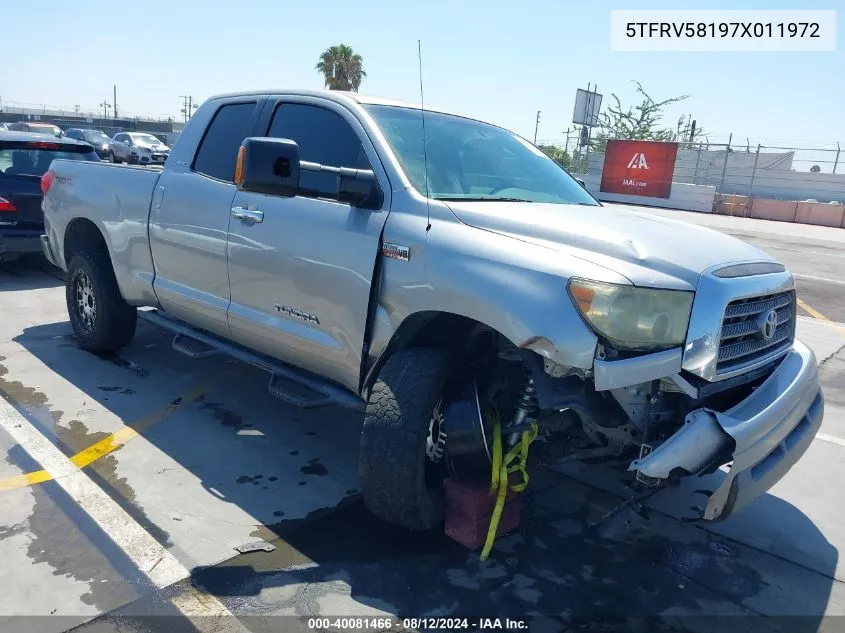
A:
<point x="268" y="165"/>
<point x="581" y="182"/>
<point x="359" y="189"/>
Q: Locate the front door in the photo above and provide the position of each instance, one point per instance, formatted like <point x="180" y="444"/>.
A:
<point x="189" y="220"/>
<point x="300" y="277"/>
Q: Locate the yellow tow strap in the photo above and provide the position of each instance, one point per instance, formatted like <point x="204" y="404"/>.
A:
<point x="513" y="461"/>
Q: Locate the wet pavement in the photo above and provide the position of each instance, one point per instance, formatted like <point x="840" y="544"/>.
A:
<point x="183" y="461"/>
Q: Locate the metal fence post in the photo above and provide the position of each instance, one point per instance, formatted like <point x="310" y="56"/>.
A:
<point x="697" y="160"/>
<point x="725" y="166"/>
<point x="836" y="162"/>
<point x="754" y="171"/>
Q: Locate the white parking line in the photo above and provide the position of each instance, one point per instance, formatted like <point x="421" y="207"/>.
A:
<point x="151" y="559"/>
<point x="824" y="437"/>
<point x="802" y="250"/>
<point x="824" y="279"/>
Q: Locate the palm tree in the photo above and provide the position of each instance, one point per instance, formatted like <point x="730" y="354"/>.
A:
<point x="342" y="68"/>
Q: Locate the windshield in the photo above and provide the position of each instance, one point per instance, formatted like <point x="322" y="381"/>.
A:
<point x="45" y="129"/>
<point x="148" y="139"/>
<point x="95" y="136"/>
<point x="470" y="160"/>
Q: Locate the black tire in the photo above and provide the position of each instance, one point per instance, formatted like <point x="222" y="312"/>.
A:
<point x="110" y="157"/>
<point x="112" y="323"/>
<point x="392" y="463"/>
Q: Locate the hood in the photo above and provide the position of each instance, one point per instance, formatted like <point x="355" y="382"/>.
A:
<point x="650" y="250"/>
<point x="154" y="147"/>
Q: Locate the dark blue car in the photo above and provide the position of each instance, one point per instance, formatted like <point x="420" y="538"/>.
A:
<point x="24" y="159"/>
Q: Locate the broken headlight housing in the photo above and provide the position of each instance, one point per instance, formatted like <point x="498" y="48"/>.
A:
<point x="632" y="318"/>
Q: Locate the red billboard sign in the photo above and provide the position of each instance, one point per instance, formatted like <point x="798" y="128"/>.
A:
<point x="639" y="168"/>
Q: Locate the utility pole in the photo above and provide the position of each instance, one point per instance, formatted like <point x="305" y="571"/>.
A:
<point x="567" y="131"/>
<point x="105" y="105"/>
<point x="536" y="125"/>
<point x="114" y="101"/>
<point x="184" y="99"/>
<point x="188" y="106"/>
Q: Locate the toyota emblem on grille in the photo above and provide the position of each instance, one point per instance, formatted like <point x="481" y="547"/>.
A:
<point x="768" y="323"/>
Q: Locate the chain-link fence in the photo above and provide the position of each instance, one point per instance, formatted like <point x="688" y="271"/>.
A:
<point x="39" y="109"/>
<point x="777" y="170"/>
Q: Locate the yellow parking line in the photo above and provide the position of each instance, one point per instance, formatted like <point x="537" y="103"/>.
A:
<point x="818" y="315"/>
<point x="812" y="311"/>
<point x="19" y="481"/>
<point x="108" y="444"/>
<point x="104" y="447"/>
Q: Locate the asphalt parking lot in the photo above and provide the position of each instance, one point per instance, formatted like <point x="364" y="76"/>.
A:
<point x="128" y="481"/>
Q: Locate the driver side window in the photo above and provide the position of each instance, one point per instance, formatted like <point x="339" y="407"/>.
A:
<point x="323" y="137"/>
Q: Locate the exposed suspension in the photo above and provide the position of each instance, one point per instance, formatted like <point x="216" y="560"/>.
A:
<point x="527" y="409"/>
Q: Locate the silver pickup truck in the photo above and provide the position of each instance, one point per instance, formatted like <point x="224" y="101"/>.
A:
<point x="434" y="271"/>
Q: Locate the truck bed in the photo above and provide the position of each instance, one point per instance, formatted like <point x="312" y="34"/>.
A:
<point x="116" y="199"/>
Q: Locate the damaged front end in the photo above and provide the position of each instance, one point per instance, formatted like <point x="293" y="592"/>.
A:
<point x="766" y="432"/>
<point x="732" y="394"/>
<point x="753" y="427"/>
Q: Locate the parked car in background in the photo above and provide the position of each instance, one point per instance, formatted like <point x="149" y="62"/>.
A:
<point x="101" y="143"/>
<point x="36" y="128"/>
<point x="140" y="148"/>
<point x="24" y="158"/>
<point x="4" y="126"/>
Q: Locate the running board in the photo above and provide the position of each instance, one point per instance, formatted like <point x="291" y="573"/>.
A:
<point x="294" y="386"/>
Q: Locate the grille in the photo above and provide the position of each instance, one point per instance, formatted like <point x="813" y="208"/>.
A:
<point x="742" y="343"/>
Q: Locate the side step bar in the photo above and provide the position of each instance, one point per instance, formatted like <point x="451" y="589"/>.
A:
<point x="294" y="386"/>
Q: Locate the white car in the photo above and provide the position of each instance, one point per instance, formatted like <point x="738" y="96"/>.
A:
<point x="140" y="148"/>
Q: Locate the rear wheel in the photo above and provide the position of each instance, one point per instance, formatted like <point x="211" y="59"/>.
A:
<point x="401" y="464"/>
<point x="100" y="318"/>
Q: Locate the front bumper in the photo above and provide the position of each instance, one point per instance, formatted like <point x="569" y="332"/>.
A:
<point x="766" y="433"/>
<point x="19" y="242"/>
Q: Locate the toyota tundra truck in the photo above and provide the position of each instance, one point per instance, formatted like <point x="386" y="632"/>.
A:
<point x="438" y="273"/>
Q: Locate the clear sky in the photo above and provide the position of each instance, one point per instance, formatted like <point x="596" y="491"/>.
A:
<point x="499" y="60"/>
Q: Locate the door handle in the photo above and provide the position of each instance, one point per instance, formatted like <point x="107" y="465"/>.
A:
<point x="247" y="216"/>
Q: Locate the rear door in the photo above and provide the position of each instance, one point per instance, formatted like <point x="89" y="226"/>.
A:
<point x="300" y="278"/>
<point x="189" y="219"/>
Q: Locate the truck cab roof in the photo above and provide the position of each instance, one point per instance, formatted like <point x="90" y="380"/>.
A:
<point x="340" y="96"/>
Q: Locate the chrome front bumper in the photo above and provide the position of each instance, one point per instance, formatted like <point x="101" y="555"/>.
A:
<point x="769" y="431"/>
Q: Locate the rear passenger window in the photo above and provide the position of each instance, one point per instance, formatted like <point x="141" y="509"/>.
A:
<point x="323" y="137"/>
<point x="219" y="147"/>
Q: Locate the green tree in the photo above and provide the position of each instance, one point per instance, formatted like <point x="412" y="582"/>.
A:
<point x="557" y="154"/>
<point x="342" y="68"/>
<point x="642" y="122"/>
<point x="573" y="164"/>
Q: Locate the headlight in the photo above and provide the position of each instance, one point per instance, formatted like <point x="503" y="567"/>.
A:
<point x="633" y="318"/>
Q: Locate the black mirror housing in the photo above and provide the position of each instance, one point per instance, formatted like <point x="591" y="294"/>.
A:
<point x="268" y="165"/>
<point x="360" y="189"/>
<point x="580" y="182"/>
